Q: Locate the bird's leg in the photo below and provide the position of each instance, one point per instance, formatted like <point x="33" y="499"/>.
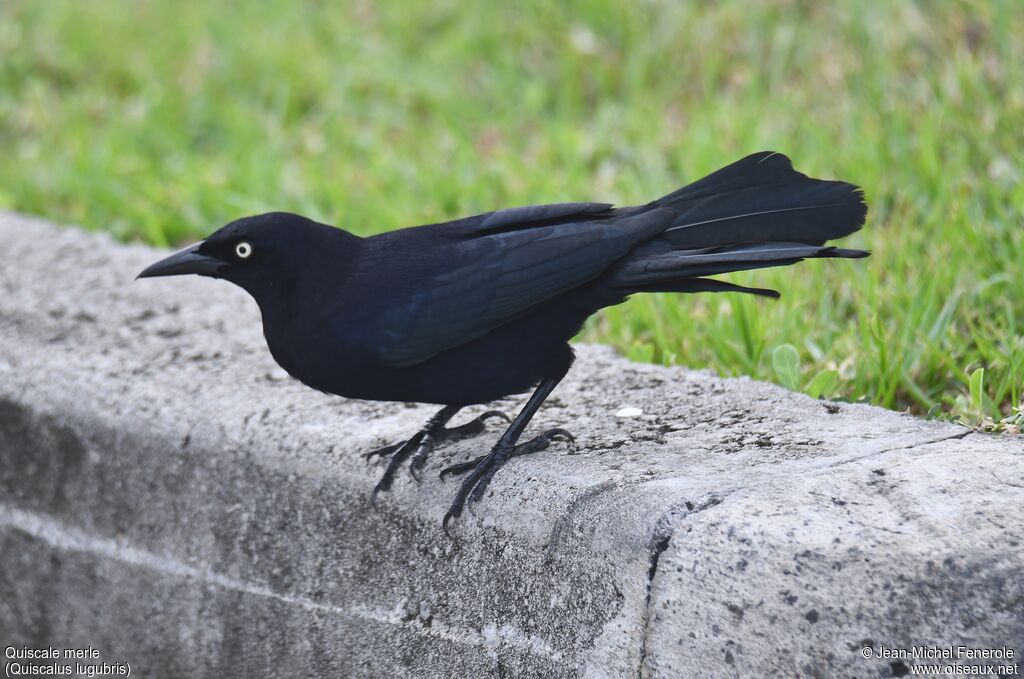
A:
<point x="418" y="447"/>
<point x="483" y="468"/>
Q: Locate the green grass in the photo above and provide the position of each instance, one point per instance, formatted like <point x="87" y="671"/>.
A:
<point x="161" y="120"/>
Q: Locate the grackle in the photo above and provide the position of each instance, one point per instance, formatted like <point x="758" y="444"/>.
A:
<point x="472" y="310"/>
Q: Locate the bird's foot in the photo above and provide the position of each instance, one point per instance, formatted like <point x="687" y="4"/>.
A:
<point x="419" y="446"/>
<point x="474" y="427"/>
<point x="482" y="469"/>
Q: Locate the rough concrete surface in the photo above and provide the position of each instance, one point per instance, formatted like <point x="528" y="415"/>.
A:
<point x="169" y="497"/>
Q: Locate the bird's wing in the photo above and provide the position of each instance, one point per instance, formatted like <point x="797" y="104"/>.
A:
<point x="496" y="277"/>
<point x="530" y="216"/>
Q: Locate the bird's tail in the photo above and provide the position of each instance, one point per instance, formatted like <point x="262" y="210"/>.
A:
<point x="758" y="212"/>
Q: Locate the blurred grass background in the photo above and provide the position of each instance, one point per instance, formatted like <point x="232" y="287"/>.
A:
<point x="161" y="120"/>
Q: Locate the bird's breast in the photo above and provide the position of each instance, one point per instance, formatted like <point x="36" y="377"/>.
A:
<point x="324" y="359"/>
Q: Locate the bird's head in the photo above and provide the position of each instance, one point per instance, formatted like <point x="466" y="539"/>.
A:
<point x="261" y="254"/>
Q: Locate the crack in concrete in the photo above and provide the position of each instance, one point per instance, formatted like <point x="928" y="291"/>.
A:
<point x="912" y="446"/>
<point x="67" y="538"/>
<point x="661" y="538"/>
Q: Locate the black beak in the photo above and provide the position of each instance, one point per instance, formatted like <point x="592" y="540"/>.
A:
<point x="184" y="262"/>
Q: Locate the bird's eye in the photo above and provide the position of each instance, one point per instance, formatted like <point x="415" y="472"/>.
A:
<point x="243" y="250"/>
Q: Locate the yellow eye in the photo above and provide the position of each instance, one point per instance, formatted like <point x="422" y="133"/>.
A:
<point x="243" y="250"/>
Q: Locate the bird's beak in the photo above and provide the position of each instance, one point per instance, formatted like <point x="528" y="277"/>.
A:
<point x="184" y="262"/>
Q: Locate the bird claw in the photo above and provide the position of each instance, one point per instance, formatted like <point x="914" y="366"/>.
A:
<point x="448" y="516"/>
<point x="532" y="446"/>
<point x="419" y="460"/>
<point x="473" y="427"/>
<point x="461" y="468"/>
<point x="401" y="452"/>
<point x="418" y="448"/>
<point x="384" y="451"/>
<point x="556" y="435"/>
<point x="483" y="469"/>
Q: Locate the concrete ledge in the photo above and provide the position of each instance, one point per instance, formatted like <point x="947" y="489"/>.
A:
<point x="170" y="497"/>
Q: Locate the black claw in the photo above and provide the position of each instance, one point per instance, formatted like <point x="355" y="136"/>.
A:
<point x="418" y="448"/>
<point x="555" y="434"/>
<point x="485" y="467"/>
<point x="448" y="516"/>
<point x="461" y="468"/>
<point x="473" y="486"/>
<point x="460" y="501"/>
<point x="419" y="460"/>
<point x="481" y="486"/>
<point x="473" y="427"/>
<point x="398" y="456"/>
<point x="382" y="452"/>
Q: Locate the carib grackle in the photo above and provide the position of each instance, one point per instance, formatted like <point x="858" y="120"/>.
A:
<point x="473" y="310"/>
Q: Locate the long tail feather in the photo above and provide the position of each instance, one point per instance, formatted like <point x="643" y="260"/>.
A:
<point x="756" y="213"/>
<point x="761" y="198"/>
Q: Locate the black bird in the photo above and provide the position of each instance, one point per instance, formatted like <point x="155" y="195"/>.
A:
<point x="473" y="310"/>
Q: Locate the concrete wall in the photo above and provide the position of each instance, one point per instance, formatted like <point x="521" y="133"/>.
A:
<point x="169" y="497"/>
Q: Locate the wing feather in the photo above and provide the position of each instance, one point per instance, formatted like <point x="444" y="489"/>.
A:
<point x="496" y="277"/>
<point x="520" y="217"/>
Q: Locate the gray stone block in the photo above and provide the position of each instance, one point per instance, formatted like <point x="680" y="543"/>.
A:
<point x="170" y="497"/>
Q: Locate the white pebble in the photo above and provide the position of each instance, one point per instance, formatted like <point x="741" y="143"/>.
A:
<point x="629" y="412"/>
